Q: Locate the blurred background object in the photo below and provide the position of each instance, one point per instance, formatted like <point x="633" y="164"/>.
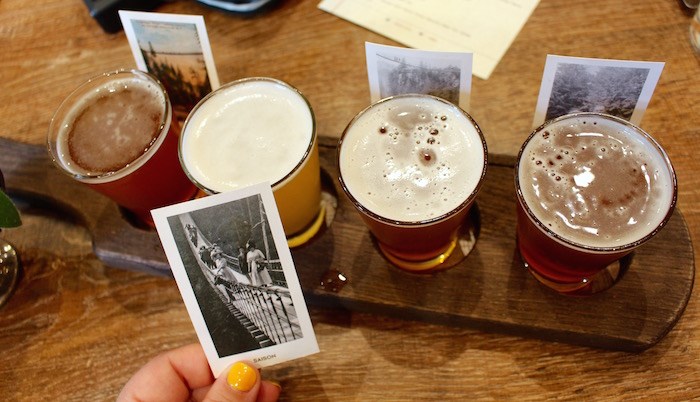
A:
<point x="9" y="263"/>
<point x="105" y="12"/>
<point x="695" y="30"/>
<point x="238" y="6"/>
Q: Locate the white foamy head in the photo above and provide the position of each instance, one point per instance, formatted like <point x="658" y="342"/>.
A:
<point x="249" y="131"/>
<point x="596" y="181"/>
<point x="412" y="158"/>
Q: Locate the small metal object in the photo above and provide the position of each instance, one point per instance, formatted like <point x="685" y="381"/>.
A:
<point x="9" y="270"/>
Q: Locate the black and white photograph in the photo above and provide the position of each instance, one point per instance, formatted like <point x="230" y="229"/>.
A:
<point x="395" y="70"/>
<point x="175" y="48"/>
<point x="616" y="87"/>
<point x="234" y="270"/>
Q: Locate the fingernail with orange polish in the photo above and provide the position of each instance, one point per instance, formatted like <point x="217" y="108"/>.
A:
<point x="242" y="377"/>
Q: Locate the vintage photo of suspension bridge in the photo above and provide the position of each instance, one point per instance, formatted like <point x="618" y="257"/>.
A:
<point x="233" y="266"/>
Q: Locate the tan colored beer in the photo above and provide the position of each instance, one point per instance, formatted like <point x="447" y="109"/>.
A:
<point x="412" y="165"/>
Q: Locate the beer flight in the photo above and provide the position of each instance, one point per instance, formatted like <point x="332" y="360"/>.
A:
<point x="590" y="187"/>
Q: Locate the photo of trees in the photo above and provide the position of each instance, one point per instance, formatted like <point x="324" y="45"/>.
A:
<point x="586" y="88"/>
<point x="398" y="76"/>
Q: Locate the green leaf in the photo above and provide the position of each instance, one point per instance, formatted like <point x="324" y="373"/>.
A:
<point x="9" y="215"/>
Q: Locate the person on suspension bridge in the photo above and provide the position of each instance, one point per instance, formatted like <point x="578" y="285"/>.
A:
<point x="258" y="267"/>
<point x="224" y="277"/>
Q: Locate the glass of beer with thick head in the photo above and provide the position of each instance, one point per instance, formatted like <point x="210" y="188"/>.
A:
<point x="590" y="189"/>
<point x="412" y="166"/>
<point x="257" y="130"/>
<point x="114" y="133"/>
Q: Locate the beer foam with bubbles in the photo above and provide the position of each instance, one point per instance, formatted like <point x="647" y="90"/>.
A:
<point x="412" y="159"/>
<point x="111" y="127"/>
<point x="248" y="133"/>
<point x="594" y="182"/>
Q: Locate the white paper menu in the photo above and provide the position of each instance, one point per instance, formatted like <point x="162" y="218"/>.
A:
<point x="484" y="27"/>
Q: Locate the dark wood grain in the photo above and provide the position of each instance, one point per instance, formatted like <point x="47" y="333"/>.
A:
<point x="489" y="290"/>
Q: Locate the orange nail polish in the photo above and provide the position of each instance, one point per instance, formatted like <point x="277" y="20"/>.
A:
<point x="242" y="377"/>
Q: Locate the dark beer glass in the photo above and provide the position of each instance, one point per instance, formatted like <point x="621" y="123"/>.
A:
<point x="590" y="189"/>
<point x="115" y="134"/>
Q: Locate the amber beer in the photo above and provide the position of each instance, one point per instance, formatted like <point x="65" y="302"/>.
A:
<point x="412" y="165"/>
<point x="114" y="134"/>
<point x="591" y="188"/>
<point x="258" y="130"/>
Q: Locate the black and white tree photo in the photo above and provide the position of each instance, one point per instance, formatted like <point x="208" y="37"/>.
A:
<point x="588" y="88"/>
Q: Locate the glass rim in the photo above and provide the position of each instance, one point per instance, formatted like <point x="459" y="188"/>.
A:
<point x="289" y="175"/>
<point x="79" y="92"/>
<point x="465" y="203"/>
<point x="580" y="246"/>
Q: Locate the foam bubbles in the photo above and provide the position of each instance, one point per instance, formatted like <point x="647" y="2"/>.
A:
<point x="111" y="127"/>
<point x="590" y="182"/>
<point x="250" y="132"/>
<point x="417" y="165"/>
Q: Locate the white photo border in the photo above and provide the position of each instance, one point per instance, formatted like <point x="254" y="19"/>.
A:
<point x="262" y="357"/>
<point x="553" y="62"/>
<point x="463" y="60"/>
<point x="127" y="18"/>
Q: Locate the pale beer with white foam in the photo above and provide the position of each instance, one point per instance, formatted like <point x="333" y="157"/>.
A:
<point x="257" y="130"/>
<point x="412" y="165"/>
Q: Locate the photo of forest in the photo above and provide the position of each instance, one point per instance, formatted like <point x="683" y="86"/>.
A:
<point x="587" y="88"/>
<point x="399" y="76"/>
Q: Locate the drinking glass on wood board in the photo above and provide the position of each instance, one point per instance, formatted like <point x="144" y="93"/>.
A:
<point x="257" y="130"/>
<point x="412" y="166"/>
<point x="590" y="189"/>
<point x="115" y="133"/>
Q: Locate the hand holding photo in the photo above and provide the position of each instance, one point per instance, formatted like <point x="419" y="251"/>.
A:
<point x="230" y="259"/>
<point x="395" y="70"/>
<point x="175" y="48"/>
<point x="617" y="87"/>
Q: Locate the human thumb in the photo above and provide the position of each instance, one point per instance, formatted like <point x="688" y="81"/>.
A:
<point x="240" y="384"/>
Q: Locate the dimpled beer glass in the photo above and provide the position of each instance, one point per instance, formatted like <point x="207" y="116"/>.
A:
<point x="114" y="133"/>
<point x="591" y="188"/>
<point x="257" y="130"/>
<point x="412" y="166"/>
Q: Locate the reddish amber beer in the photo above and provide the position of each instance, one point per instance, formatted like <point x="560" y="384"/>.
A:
<point x="591" y="188"/>
<point x="114" y="133"/>
<point x="412" y="166"/>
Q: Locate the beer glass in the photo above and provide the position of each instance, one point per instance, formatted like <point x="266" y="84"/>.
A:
<point x="412" y="166"/>
<point x="590" y="189"/>
<point x="695" y="31"/>
<point x="257" y="130"/>
<point x="115" y="134"/>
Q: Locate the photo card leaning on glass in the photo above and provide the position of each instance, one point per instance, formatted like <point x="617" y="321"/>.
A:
<point x="176" y="49"/>
<point x="230" y="259"/>
<point x="393" y="70"/>
<point x="620" y="88"/>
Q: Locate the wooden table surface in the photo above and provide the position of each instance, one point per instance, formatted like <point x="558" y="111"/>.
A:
<point x="77" y="330"/>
